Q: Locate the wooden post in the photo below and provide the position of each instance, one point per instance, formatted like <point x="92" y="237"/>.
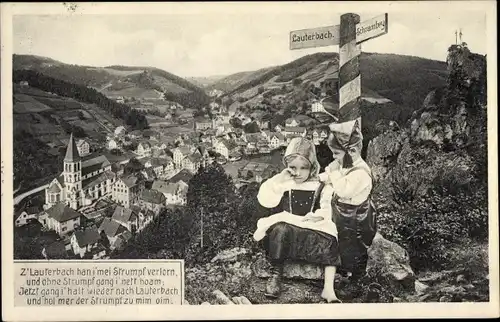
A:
<point x="201" y="230"/>
<point x="349" y="74"/>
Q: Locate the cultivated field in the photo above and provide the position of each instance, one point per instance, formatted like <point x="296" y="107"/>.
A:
<point x="27" y="104"/>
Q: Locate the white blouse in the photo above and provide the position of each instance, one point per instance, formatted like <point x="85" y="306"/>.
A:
<point x="352" y="188"/>
<point x="270" y="195"/>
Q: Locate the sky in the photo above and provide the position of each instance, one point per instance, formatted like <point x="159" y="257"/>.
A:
<point x="201" y="44"/>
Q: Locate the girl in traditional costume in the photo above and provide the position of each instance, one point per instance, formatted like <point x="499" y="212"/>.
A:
<point x="301" y="228"/>
<point x="350" y="178"/>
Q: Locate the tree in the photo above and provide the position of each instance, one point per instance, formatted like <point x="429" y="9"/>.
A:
<point x="235" y="122"/>
<point x="261" y="90"/>
<point x="251" y="127"/>
<point x="133" y="166"/>
<point x="229" y="101"/>
<point x="297" y="81"/>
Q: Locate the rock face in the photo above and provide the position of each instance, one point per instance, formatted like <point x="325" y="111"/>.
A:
<point x="382" y="152"/>
<point x="230" y="255"/>
<point x="261" y="268"/>
<point x="447" y="116"/>
<point x="389" y="265"/>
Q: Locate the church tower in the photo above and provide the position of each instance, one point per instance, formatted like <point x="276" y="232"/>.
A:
<point x="73" y="175"/>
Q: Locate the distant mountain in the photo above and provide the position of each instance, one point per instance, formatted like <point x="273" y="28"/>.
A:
<point x="114" y="81"/>
<point x="404" y="80"/>
<point x="205" y="81"/>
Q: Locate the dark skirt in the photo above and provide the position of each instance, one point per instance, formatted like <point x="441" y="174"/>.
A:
<point x="287" y="242"/>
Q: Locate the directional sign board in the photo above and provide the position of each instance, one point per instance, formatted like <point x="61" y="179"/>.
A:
<point x="372" y="28"/>
<point x="330" y="35"/>
<point x="315" y="37"/>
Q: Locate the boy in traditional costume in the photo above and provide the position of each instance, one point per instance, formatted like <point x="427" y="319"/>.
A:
<point x="301" y="228"/>
<point x="350" y="178"/>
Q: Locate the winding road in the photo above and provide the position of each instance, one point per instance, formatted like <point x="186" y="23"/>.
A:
<point x="28" y="193"/>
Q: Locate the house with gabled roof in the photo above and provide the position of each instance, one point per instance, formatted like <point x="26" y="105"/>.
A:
<point x="112" y="230"/>
<point x="184" y="175"/>
<point x="87" y="242"/>
<point x="23" y="217"/>
<point x="143" y="148"/>
<point x="152" y="200"/>
<point x="174" y="192"/>
<point x="146" y="216"/>
<point x="202" y="123"/>
<point x="319" y="135"/>
<point x="127" y="189"/>
<point x="180" y="153"/>
<point x="225" y="147"/>
<point x="294" y="131"/>
<point x="127" y="217"/>
<point x="83" y="147"/>
<point x="61" y="218"/>
<point x="276" y="139"/>
<point x="192" y="162"/>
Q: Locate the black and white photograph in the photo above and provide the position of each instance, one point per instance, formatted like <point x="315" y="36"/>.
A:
<point x="316" y="157"/>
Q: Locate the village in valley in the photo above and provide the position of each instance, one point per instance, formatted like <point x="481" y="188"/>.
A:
<point x="95" y="206"/>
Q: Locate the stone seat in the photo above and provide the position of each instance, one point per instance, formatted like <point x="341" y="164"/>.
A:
<point x="291" y="270"/>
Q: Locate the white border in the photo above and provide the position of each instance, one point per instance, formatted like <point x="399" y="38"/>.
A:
<point x="312" y="311"/>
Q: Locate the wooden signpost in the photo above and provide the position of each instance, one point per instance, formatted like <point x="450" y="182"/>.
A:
<point x="348" y="36"/>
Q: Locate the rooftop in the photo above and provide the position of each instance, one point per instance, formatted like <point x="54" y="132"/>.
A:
<point x="111" y="228"/>
<point x="94" y="164"/>
<point x="62" y="212"/>
<point x="123" y="215"/>
<point x="87" y="237"/>
<point x="72" y="151"/>
<point x="183" y="175"/>
<point x="153" y="196"/>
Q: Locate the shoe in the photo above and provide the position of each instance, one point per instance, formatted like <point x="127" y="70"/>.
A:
<point x="273" y="287"/>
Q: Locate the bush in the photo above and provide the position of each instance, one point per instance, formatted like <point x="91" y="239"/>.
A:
<point x="430" y="226"/>
<point x="407" y="183"/>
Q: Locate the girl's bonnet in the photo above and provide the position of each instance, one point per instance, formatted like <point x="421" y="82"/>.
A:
<point x="305" y="148"/>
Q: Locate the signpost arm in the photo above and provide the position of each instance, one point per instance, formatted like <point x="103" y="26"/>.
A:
<point x="349" y="74"/>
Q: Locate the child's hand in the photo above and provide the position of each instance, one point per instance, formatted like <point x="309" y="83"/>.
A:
<point x="312" y="217"/>
<point x="284" y="176"/>
<point x="334" y="166"/>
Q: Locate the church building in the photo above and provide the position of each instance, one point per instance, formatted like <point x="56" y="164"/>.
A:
<point x="83" y="180"/>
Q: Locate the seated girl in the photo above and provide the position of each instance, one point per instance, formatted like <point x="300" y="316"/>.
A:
<point x="301" y="228"/>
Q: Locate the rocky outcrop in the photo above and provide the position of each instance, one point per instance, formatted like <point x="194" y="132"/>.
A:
<point x="448" y="114"/>
<point x="389" y="266"/>
<point x="230" y="255"/>
<point x="382" y="152"/>
<point x="390" y="279"/>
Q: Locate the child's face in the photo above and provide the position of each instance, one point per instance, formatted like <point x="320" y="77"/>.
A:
<point x="301" y="168"/>
<point x="337" y="154"/>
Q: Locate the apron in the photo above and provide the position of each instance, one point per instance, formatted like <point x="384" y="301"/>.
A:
<point x="285" y="240"/>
